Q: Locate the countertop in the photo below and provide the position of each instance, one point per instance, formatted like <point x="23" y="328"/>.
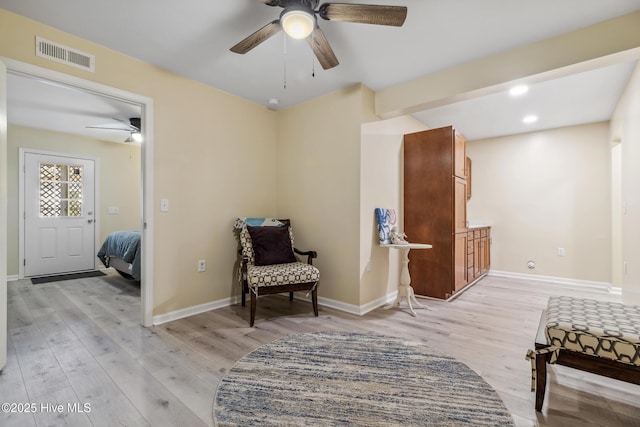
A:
<point x="478" y="224"/>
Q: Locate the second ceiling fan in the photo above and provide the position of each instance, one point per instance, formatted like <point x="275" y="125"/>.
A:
<point x="298" y="19"/>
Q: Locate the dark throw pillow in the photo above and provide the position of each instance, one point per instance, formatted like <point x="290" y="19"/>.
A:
<point x="271" y="245"/>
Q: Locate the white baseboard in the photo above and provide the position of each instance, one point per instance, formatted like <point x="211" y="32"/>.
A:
<point x="327" y="302"/>
<point x="604" y="286"/>
<point x="193" y="310"/>
<point x="355" y="309"/>
<point x="13" y="278"/>
<point x="364" y="309"/>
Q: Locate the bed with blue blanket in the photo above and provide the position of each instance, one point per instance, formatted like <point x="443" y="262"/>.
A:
<point x="121" y="250"/>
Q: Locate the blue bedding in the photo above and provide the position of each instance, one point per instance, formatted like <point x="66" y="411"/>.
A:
<point x="125" y="245"/>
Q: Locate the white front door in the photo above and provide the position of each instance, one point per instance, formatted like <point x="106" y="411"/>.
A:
<point x="59" y="220"/>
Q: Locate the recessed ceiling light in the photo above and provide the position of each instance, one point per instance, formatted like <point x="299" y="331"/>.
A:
<point x="531" y="118"/>
<point x="519" y="90"/>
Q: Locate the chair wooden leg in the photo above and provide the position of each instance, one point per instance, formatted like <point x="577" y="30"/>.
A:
<point x="244" y="297"/>
<point x="541" y="379"/>
<point x="314" y="300"/>
<point x="291" y="296"/>
<point x="253" y="308"/>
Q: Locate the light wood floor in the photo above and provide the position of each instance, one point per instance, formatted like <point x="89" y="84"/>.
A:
<point x="79" y="342"/>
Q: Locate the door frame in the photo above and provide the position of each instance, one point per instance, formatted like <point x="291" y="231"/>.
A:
<point x="22" y="152"/>
<point x="146" y="104"/>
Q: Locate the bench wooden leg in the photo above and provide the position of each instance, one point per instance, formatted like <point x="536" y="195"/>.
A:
<point x="541" y="379"/>
<point x="291" y="296"/>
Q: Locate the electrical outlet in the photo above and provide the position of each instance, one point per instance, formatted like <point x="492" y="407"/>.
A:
<point x="560" y="251"/>
<point x="202" y="265"/>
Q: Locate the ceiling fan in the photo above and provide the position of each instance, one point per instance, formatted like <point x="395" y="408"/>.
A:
<point x="299" y="20"/>
<point x="133" y="127"/>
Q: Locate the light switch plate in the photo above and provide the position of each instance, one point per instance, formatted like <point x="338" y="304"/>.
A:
<point x="164" y="205"/>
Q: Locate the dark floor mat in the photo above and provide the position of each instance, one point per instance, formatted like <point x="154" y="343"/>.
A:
<point x="59" y="277"/>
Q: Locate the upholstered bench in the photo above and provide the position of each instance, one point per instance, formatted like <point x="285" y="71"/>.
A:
<point x="590" y="335"/>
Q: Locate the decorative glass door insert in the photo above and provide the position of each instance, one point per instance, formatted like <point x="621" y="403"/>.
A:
<point x="60" y="190"/>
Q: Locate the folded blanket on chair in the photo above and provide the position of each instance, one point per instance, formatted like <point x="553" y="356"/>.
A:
<point x="257" y="222"/>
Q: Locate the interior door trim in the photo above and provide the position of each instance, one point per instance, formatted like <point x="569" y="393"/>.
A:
<point x="146" y="104"/>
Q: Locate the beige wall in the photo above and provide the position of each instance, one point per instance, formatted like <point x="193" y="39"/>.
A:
<point x="318" y="173"/>
<point x="120" y="189"/>
<point x="214" y="159"/>
<point x="545" y="190"/>
<point x="625" y="127"/>
<point x="217" y="156"/>
<point x="381" y="187"/>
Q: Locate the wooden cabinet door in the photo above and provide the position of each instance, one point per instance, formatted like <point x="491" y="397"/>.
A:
<point x="486" y="253"/>
<point x="460" y="261"/>
<point x="459" y="156"/>
<point x="468" y="176"/>
<point x="477" y="257"/>
<point x="460" y="205"/>
<point x="428" y="209"/>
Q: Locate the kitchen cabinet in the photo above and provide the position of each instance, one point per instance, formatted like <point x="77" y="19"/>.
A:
<point x="479" y="252"/>
<point x="435" y="210"/>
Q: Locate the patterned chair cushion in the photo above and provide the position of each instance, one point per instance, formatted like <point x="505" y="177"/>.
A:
<point x="281" y="274"/>
<point x="604" y="329"/>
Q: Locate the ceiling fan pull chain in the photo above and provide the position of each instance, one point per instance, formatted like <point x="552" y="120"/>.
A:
<point x="284" y="60"/>
<point x="313" y="56"/>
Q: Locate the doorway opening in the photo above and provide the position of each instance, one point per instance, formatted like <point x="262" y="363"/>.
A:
<point x="145" y="106"/>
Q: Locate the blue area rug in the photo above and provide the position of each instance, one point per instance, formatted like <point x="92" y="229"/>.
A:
<point x="343" y="378"/>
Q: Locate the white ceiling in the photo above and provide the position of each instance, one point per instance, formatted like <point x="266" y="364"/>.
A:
<point x="46" y="105"/>
<point x="581" y="98"/>
<point x="193" y="39"/>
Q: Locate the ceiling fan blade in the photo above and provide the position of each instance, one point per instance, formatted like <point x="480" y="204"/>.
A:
<point x="322" y="50"/>
<point x="364" y="13"/>
<point x="108" y="127"/>
<point x="269" y="30"/>
<point x="270" y="2"/>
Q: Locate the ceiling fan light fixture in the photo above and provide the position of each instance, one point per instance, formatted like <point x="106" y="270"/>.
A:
<point x="298" y="23"/>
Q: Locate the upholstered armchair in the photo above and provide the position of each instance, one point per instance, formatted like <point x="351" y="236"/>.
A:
<point x="269" y="262"/>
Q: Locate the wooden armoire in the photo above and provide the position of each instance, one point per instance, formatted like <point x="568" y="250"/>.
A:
<point x="435" y="210"/>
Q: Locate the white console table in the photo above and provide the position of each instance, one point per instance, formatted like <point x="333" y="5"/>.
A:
<point x="404" y="287"/>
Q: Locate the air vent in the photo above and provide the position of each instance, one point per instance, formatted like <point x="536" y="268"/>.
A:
<point x="65" y="55"/>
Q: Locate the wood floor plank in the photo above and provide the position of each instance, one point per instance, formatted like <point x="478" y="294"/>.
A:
<point x="156" y="403"/>
<point x="41" y="372"/>
<point x="81" y="338"/>
<point x="13" y="390"/>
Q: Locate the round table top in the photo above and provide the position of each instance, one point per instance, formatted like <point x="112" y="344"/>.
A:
<point x="406" y="246"/>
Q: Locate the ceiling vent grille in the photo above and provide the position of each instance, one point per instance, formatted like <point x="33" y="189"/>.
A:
<point x="64" y="54"/>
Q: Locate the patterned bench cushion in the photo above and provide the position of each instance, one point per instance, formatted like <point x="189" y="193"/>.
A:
<point x="604" y="329"/>
<point x="281" y="274"/>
